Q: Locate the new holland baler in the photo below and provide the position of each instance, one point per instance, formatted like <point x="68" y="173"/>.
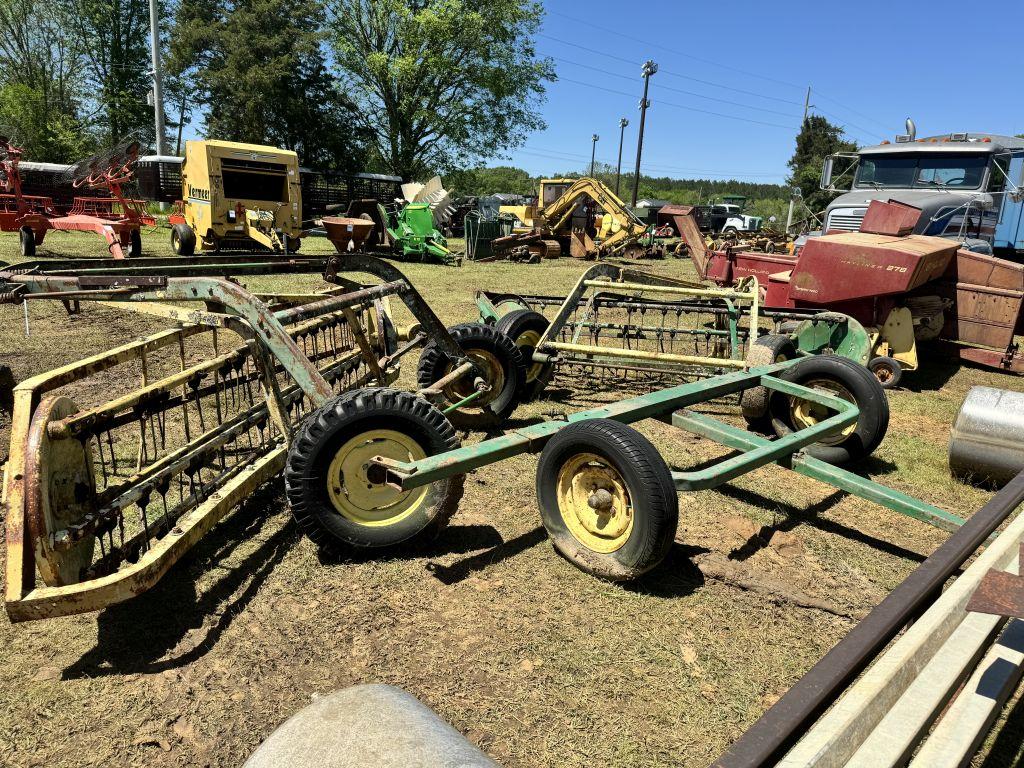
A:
<point x="906" y="288"/>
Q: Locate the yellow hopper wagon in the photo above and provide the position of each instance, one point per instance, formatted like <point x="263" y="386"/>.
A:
<point x="237" y="197"/>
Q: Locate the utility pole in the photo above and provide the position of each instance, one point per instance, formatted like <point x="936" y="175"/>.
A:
<point x="158" y="77"/>
<point x="792" y="192"/>
<point x="649" y="69"/>
<point x="593" y="150"/>
<point x="623" y="122"/>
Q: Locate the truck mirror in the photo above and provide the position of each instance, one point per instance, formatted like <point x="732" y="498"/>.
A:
<point x="837" y="170"/>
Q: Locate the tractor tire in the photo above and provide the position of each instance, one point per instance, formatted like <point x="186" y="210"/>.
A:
<point x="641" y="506"/>
<point x="292" y="244"/>
<point x="526" y="327"/>
<point x="505" y="372"/>
<point x="331" y="496"/>
<point x="888" y="371"/>
<point x="773" y="348"/>
<point x="843" y="378"/>
<point x="28" y="242"/>
<point x="135" y="244"/>
<point x="183" y="240"/>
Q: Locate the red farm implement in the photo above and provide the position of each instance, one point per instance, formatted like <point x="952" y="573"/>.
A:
<point x="904" y="288"/>
<point x="112" y="216"/>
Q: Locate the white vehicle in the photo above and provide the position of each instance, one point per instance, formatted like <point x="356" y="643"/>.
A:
<point x="736" y="222"/>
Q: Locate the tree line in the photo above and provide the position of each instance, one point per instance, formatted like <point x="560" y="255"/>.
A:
<point x="401" y="86"/>
<point x="409" y="87"/>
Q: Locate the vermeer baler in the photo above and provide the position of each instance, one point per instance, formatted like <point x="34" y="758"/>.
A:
<point x="906" y="288"/>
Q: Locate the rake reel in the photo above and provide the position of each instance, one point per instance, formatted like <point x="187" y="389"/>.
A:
<point x="121" y="462"/>
<point x="628" y="328"/>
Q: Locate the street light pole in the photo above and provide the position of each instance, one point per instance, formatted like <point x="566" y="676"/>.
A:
<point x="593" y="150"/>
<point x="158" y="78"/>
<point x="649" y="69"/>
<point x="623" y="122"/>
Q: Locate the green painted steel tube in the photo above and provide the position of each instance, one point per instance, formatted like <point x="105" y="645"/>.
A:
<point x="816" y="469"/>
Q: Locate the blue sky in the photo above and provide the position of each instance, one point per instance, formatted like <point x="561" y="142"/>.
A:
<point x="870" y="65"/>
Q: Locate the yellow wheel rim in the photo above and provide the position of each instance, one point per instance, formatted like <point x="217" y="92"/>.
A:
<point x="594" y="503"/>
<point x="806" y="414"/>
<point x="494" y="375"/>
<point x="358" y="499"/>
<point x="530" y="339"/>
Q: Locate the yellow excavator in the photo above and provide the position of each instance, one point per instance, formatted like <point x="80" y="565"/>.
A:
<point x="581" y="216"/>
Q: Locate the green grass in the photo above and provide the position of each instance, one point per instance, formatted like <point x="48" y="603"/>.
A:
<point x="535" y="661"/>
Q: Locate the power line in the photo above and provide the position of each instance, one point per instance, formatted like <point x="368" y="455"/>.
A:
<point x="571" y="157"/>
<point x="675" y="51"/>
<point x="671" y="74"/>
<point x="820" y="95"/>
<point x="675" y="90"/>
<point x="847" y="122"/>
<point x="678" y="106"/>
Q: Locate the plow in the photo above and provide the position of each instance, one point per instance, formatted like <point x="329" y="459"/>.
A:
<point x="108" y="212"/>
<point x="121" y="462"/>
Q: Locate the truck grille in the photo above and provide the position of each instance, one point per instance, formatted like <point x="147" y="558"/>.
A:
<point x="846" y="219"/>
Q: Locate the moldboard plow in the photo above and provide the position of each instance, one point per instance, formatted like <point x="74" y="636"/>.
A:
<point x="121" y="462"/>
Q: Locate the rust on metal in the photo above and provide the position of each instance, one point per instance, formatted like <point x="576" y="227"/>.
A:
<point x="1000" y="593"/>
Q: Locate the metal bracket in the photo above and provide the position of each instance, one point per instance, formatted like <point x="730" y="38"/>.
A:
<point x="1000" y="593"/>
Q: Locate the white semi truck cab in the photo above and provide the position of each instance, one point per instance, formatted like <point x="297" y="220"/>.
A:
<point x="967" y="185"/>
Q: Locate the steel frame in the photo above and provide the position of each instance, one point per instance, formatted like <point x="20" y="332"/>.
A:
<point x="671" y="405"/>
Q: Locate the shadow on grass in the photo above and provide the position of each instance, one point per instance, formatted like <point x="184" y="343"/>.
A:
<point x="796" y="516"/>
<point x="676" y="576"/>
<point x="452" y="540"/>
<point x="137" y="636"/>
<point x="462" y="569"/>
<point x="1008" y="747"/>
<point x="939" y="363"/>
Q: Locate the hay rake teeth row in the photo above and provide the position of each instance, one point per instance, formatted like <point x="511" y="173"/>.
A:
<point x="121" y="462"/>
<point x="625" y="326"/>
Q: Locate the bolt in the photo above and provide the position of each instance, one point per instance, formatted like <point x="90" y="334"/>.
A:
<point x="600" y="501"/>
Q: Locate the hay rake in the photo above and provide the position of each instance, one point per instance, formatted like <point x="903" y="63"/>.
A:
<point x="623" y="326"/>
<point x="121" y="462"/>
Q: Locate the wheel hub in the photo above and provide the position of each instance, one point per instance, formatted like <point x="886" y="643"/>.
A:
<point x="527" y="342"/>
<point x="805" y="413"/>
<point x="594" y="503"/>
<point x="356" y="486"/>
<point x="492" y="373"/>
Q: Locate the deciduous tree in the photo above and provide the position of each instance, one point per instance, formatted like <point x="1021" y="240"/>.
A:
<point x="440" y="84"/>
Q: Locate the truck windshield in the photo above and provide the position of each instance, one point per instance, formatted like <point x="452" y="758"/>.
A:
<point x="922" y="172"/>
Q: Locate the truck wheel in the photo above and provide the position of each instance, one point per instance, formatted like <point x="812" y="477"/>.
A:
<point x="335" y="495"/>
<point x="28" y="242"/>
<point x="526" y="327"/>
<point x="183" y="240"/>
<point x="887" y="370"/>
<point x="730" y="233"/>
<point x="772" y="348"/>
<point x="847" y="380"/>
<point x="503" y="370"/>
<point x="607" y="499"/>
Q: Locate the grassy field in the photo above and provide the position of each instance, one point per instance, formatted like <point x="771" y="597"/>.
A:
<point x="536" y="662"/>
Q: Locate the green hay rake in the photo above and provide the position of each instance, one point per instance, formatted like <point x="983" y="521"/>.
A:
<point x="103" y="498"/>
<point x="626" y="327"/>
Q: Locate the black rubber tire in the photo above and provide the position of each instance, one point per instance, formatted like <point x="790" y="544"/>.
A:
<point x="514" y="325"/>
<point x="293" y="244"/>
<point x="867" y="393"/>
<point x="754" y="401"/>
<point x="135" y="244"/>
<point x="183" y="240"/>
<point x="321" y="435"/>
<point x="730" y="233"/>
<point x="28" y="242"/>
<point x="648" y="482"/>
<point x="887" y="370"/>
<point x="434" y="364"/>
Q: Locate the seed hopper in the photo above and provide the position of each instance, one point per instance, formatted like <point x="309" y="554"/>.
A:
<point x="121" y="462"/>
